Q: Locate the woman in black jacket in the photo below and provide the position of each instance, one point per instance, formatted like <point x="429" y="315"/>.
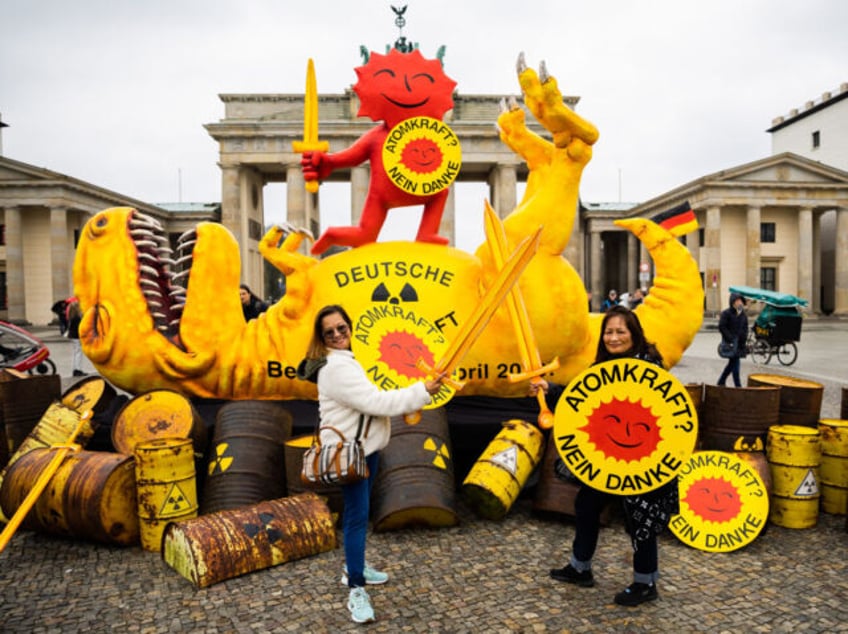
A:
<point x="733" y="326"/>
<point x="646" y="514"/>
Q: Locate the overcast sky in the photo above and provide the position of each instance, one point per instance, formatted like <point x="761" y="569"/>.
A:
<point x="116" y="92"/>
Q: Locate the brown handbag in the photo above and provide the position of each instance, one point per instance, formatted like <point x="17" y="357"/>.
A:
<point x="340" y="462"/>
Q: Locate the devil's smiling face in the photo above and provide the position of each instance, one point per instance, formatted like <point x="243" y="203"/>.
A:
<point x="398" y="86"/>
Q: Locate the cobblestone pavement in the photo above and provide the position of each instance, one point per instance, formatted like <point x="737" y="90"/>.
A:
<point x="480" y="576"/>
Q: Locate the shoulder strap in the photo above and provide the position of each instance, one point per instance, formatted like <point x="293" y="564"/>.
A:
<point x="359" y="427"/>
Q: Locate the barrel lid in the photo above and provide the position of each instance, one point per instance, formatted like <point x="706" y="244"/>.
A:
<point x="787" y="381"/>
<point x="793" y="430"/>
<point x="833" y="422"/>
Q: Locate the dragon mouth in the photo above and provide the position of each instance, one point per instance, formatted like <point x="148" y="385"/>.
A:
<point x="163" y="279"/>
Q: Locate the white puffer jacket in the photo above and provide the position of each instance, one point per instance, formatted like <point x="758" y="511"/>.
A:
<point x="344" y="392"/>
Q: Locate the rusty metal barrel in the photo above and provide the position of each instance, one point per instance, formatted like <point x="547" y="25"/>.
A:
<point x="496" y="479"/>
<point x="834" y="466"/>
<point x="800" y="399"/>
<point x="415" y="483"/>
<point x="294" y="450"/>
<point x="554" y="495"/>
<point x="166" y="486"/>
<point x="247" y="455"/>
<point x="844" y="409"/>
<point x="56" y="427"/>
<point x="91" y="496"/>
<point x="794" y="456"/>
<point x="223" y="545"/>
<point x="158" y="414"/>
<point x="96" y="394"/>
<point x="737" y="418"/>
<point x="23" y="401"/>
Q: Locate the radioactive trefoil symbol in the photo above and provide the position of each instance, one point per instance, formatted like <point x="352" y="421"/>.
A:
<point x="808" y="486"/>
<point x="221" y="462"/>
<point x="508" y="459"/>
<point x="441" y="453"/>
<point x="273" y="533"/>
<point x="176" y="502"/>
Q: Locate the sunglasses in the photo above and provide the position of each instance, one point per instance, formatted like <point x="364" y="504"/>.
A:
<point x="342" y="331"/>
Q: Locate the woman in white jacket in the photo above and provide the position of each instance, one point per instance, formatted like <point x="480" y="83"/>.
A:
<point x="345" y="394"/>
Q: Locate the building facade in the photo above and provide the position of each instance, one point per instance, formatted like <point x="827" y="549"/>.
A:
<point x="41" y="215"/>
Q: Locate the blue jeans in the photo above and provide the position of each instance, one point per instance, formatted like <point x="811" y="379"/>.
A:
<point x="357" y="499"/>
<point x="731" y="367"/>
<point x="587" y="507"/>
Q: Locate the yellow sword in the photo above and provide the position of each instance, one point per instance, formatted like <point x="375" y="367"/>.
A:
<point x="528" y="350"/>
<point x="310" y="141"/>
<point x="471" y="328"/>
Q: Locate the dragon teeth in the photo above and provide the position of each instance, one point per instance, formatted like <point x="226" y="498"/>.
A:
<point x="144" y="268"/>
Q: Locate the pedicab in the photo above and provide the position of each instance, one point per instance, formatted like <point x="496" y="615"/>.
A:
<point x="778" y="326"/>
<point x="23" y="351"/>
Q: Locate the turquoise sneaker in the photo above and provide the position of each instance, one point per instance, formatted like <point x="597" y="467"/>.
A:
<point x="372" y="577"/>
<point x="359" y="605"/>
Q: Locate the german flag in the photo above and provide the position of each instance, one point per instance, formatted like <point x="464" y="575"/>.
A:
<point x="678" y="221"/>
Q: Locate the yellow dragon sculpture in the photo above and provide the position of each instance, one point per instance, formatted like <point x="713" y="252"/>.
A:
<point x="152" y="321"/>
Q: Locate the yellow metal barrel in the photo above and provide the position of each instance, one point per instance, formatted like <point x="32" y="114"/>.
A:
<point x="834" y="465"/>
<point x="91" y="496"/>
<point x="166" y="484"/>
<point x="496" y="479"/>
<point x="794" y="455"/>
<point x="223" y="545"/>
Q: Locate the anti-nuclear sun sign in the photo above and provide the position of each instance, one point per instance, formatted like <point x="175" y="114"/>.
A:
<point x="625" y="426"/>
<point x="422" y="155"/>
<point x="388" y="340"/>
<point x="723" y="502"/>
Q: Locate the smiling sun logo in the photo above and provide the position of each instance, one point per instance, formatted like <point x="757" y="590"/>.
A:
<point x="422" y="155"/>
<point x="389" y="340"/>
<point x="400" y="351"/>
<point x="723" y="502"/>
<point x="714" y="500"/>
<point x="624" y="430"/>
<point x="625" y="426"/>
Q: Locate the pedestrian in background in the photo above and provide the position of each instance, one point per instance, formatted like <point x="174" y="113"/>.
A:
<point x="610" y="301"/>
<point x="733" y="326"/>
<point x="345" y="398"/>
<point x="74" y="319"/>
<point x="251" y="305"/>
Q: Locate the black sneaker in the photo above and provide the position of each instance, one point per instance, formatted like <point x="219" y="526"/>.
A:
<point x="636" y="593"/>
<point x="569" y="574"/>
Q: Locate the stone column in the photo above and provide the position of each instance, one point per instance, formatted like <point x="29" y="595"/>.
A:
<point x="752" y="247"/>
<point x="502" y="183"/>
<point x="359" y="180"/>
<point x="805" y="254"/>
<point x="60" y="268"/>
<point x="295" y="197"/>
<point x="595" y="260"/>
<point x="712" y="259"/>
<point x="447" y="227"/>
<point x="231" y="199"/>
<point x="840" y="294"/>
<point x="632" y="272"/>
<point x="15" y="286"/>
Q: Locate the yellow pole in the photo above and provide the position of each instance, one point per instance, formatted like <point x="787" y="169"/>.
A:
<point x="41" y="483"/>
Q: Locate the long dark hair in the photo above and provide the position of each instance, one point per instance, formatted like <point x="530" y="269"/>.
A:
<point x="641" y="348"/>
<point x="316" y="348"/>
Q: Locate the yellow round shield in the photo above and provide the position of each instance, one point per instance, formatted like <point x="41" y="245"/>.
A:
<point x="625" y="426"/>
<point x="422" y="155"/>
<point x="389" y="340"/>
<point x="723" y="502"/>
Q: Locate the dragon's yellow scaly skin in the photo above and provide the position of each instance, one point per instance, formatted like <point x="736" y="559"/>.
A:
<point x="143" y="332"/>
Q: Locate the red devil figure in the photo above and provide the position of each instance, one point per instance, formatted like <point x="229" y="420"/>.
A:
<point x="391" y="89"/>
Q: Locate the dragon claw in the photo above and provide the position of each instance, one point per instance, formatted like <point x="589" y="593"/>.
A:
<point x="543" y="72"/>
<point x="513" y="103"/>
<point x="521" y="64"/>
